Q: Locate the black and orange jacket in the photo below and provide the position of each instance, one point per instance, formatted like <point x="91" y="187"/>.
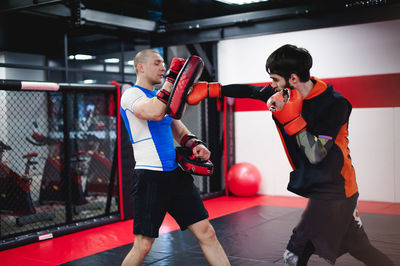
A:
<point x="326" y="113"/>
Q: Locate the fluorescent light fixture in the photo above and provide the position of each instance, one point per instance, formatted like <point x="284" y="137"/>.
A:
<point x="130" y="62"/>
<point x="241" y="2"/>
<point x="111" y="60"/>
<point x="81" y="57"/>
<point x="89" y="81"/>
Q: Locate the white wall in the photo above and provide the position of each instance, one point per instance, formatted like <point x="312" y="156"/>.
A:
<point x="357" y="50"/>
<point x="372" y="146"/>
<point x="363" y="49"/>
<point x="258" y="142"/>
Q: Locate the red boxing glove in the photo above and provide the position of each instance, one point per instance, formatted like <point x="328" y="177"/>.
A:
<point x="173" y="71"/>
<point x="290" y="115"/>
<point x="202" y="90"/>
<point x="277" y="101"/>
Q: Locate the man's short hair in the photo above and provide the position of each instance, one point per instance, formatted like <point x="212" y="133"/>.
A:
<point x="142" y="56"/>
<point x="290" y="59"/>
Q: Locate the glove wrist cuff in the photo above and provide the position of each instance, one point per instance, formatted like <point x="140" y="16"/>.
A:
<point x="197" y="142"/>
<point x="295" y="126"/>
<point x="163" y="95"/>
<point x="186" y="138"/>
<point x="214" y="90"/>
<point x="172" y="75"/>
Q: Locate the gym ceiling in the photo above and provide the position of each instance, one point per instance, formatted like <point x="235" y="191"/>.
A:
<point x="39" y="26"/>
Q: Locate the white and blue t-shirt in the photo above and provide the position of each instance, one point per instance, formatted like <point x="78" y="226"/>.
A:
<point x="152" y="141"/>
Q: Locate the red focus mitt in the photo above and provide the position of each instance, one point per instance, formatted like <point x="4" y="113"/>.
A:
<point x="188" y="75"/>
<point x="189" y="163"/>
<point x="173" y="71"/>
<point x="286" y="106"/>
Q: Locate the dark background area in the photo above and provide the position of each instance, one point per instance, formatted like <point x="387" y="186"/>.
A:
<point x="38" y="26"/>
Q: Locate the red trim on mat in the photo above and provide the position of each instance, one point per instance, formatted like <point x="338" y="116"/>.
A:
<point x="370" y="91"/>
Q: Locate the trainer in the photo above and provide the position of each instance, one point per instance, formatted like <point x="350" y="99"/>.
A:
<point x="160" y="186"/>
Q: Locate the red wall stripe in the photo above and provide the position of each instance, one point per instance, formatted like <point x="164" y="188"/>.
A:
<point x="362" y="91"/>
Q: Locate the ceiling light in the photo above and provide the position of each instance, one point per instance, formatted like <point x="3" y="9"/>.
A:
<point x="111" y="60"/>
<point x="89" y="81"/>
<point x="130" y="62"/>
<point x="241" y="2"/>
<point x="82" y="57"/>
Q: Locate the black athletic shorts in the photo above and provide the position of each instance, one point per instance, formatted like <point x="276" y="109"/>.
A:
<point x="157" y="192"/>
<point x="332" y="226"/>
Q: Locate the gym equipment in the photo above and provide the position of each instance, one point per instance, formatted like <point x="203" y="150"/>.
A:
<point x="243" y="179"/>
<point x="202" y="90"/>
<point x="58" y="109"/>
<point x="290" y="114"/>
<point x="174" y="69"/>
<point x="15" y="196"/>
<point x="99" y="169"/>
<point x="189" y="163"/>
<point x="188" y="75"/>
<point x="15" y="191"/>
<point x="52" y="189"/>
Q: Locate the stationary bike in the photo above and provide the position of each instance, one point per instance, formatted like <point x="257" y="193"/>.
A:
<point x="15" y="193"/>
<point x="52" y="188"/>
<point x="99" y="169"/>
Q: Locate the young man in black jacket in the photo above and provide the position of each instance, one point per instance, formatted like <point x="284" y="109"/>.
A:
<point x="312" y="120"/>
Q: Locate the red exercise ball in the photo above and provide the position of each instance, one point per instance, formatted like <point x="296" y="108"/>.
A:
<point x="243" y="179"/>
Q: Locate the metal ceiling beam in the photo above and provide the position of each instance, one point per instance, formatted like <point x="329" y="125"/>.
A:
<point x="17" y="5"/>
<point x="321" y="18"/>
<point x="241" y="19"/>
<point x="250" y="18"/>
<point x="99" y="18"/>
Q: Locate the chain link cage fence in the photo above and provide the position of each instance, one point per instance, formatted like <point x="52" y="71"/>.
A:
<point x="40" y="187"/>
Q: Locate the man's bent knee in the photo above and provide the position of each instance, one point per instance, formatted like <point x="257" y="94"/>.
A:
<point x="143" y="244"/>
<point x="204" y="231"/>
<point x="209" y="233"/>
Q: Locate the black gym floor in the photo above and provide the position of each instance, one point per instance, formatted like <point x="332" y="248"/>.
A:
<point x="254" y="236"/>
